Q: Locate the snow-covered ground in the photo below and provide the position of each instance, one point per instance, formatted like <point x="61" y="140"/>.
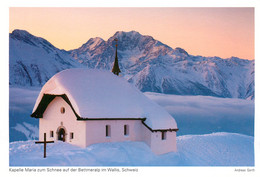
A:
<point x="198" y="117"/>
<point x="217" y="149"/>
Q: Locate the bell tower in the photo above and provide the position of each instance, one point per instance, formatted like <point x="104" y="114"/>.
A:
<point x="116" y="69"/>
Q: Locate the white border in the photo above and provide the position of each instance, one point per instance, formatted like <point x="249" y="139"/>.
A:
<point x="153" y="171"/>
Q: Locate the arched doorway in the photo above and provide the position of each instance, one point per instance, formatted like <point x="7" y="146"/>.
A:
<point x="61" y="134"/>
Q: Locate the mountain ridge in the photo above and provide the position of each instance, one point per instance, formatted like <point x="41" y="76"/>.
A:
<point x="30" y="58"/>
<point x="145" y="62"/>
<point x="140" y="56"/>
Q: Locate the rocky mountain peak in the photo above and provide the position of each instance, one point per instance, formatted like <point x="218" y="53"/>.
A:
<point x="180" y="50"/>
<point x="147" y="63"/>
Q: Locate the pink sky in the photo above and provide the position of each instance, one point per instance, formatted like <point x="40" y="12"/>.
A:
<point x="222" y="32"/>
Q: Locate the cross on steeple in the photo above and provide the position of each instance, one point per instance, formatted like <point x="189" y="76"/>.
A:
<point x="116" y="69"/>
<point x="45" y="143"/>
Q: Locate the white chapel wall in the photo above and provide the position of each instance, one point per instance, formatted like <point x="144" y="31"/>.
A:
<point x="160" y="146"/>
<point x="53" y="119"/>
<point x="96" y="131"/>
<point x="154" y="140"/>
<point x="90" y="132"/>
<point x="146" y="135"/>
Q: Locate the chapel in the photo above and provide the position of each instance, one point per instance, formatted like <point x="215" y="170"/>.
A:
<point x="86" y="106"/>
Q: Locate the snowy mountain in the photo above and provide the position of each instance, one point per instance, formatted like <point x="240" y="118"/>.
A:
<point x="153" y="66"/>
<point x="33" y="60"/>
<point x="147" y="63"/>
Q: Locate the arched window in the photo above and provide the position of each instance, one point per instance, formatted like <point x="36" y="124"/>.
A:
<point x="62" y="110"/>
<point x="126" y="130"/>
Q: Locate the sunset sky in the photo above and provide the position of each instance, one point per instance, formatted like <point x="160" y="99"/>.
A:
<point x="222" y="32"/>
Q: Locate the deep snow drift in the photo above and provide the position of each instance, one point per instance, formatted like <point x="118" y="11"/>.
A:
<point x="217" y="149"/>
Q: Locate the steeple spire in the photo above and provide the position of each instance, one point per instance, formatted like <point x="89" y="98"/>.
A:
<point x="116" y="69"/>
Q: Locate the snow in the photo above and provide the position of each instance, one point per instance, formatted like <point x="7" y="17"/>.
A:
<point x="196" y="115"/>
<point x="95" y="42"/>
<point x="101" y="94"/>
<point x="30" y="59"/>
<point x="142" y="57"/>
<point x="217" y="149"/>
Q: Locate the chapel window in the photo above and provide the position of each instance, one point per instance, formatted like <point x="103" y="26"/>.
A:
<point x="62" y="110"/>
<point x="163" y="135"/>
<point x="108" y="130"/>
<point x="126" y="130"/>
<point x="51" y="134"/>
<point x="71" y="135"/>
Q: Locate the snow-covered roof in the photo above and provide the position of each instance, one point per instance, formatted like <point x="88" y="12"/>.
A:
<point x="99" y="94"/>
